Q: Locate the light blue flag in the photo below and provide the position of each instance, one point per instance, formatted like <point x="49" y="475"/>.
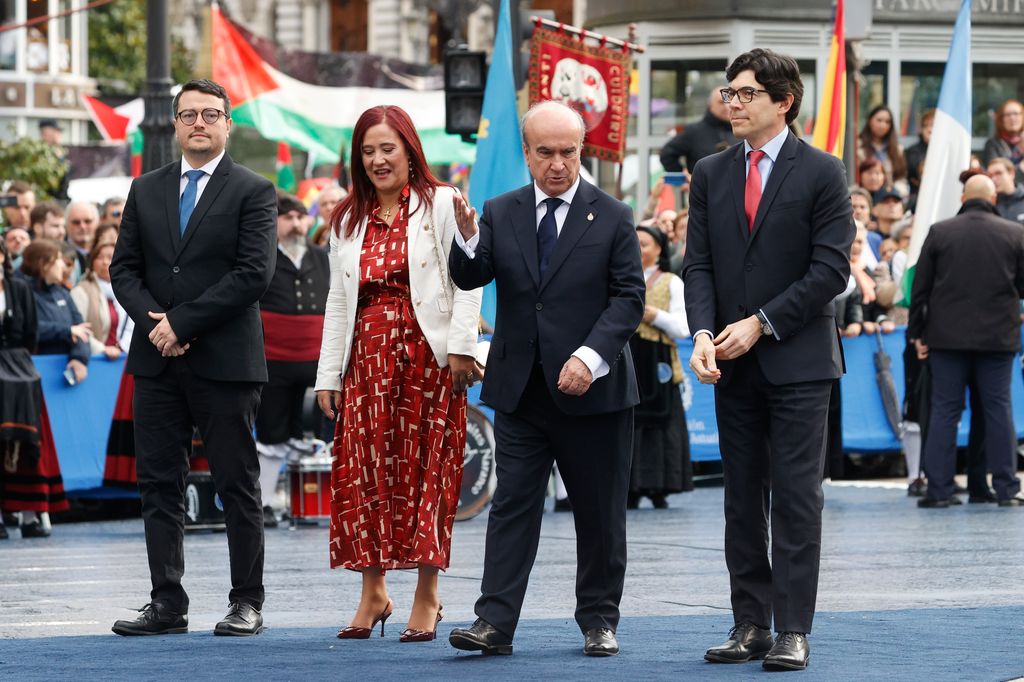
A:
<point x="949" y="152"/>
<point x="500" y="166"/>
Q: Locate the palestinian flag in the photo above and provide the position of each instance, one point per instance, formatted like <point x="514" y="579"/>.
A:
<point x="285" y="172"/>
<point x="312" y="101"/>
<point x="120" y="124"/>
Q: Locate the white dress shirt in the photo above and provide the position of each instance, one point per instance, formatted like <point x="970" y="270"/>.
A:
<point x="597" y="365"/>
<point x="207" y="169"/>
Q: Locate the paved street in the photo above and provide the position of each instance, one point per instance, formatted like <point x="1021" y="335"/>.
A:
<point x="895" y="583"/>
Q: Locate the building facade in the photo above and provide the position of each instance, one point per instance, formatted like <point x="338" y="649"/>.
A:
<point x="690" y="42"/>
<point x="43" y="67"/>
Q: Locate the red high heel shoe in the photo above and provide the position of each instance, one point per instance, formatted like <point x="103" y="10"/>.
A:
<point x="352" y="632"/>
<point x="411" y="635"/>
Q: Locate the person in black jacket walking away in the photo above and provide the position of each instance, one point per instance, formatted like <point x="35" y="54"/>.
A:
<point x="966" y="321"/>
<point x="711" y="134"/>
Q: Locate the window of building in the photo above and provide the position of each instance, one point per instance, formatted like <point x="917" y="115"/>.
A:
<point x="37" y="49"/>
<point x="680" y="90"/>
<point x="992" y="85"/>
<point x="809" y="106"/>
<point x="8" y="39"/>
<point x="873" y="88"/>
<point x="63" y="28"/>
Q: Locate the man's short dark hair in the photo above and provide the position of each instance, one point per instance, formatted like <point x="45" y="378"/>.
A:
<point x="287" y="203"/>
<point x="19" y="187"/>
<point x="778" y="73"/>
<point x="37" y="216"/>
<point x="207" y="87"/>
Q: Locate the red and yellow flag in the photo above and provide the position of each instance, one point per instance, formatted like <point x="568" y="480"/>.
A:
<point x="830" y="124"/>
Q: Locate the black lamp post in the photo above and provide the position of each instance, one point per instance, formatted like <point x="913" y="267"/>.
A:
<point x="157" y="126"/>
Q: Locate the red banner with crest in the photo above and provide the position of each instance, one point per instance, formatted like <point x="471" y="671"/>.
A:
<point x="592" y="79"/>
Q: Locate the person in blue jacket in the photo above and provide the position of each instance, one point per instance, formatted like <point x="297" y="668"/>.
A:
<point x="61" y="328"/>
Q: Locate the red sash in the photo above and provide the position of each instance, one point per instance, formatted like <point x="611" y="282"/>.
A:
<point x="292" y="338"/>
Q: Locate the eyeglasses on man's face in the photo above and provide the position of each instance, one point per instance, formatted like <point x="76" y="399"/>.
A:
<point x="210" y="116"/>
<point x="745" y="95"/>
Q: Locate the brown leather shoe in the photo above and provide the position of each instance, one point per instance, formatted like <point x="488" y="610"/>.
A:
<point x="747" y="642"/>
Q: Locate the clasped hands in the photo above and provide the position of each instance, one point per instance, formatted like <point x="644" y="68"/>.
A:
<point x="164" y="338"/>
<point x="733" y="341"/>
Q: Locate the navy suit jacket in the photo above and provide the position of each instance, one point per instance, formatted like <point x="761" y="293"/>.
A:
<point x="209" y="281"/>
<point x="592" y="294"/>
<point x="793" y="263"/>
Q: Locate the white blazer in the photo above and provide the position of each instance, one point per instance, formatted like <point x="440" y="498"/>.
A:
<point x="447" y="316"/>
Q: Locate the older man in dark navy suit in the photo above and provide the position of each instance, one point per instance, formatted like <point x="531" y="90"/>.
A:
<point x="566" y="261"/>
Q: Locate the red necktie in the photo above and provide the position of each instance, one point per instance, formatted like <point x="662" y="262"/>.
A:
<point x="752" y="193"/>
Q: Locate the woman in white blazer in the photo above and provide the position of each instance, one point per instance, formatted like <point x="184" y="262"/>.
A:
<point x="397" y="356"/>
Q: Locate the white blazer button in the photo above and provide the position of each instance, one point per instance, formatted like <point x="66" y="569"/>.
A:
<point x="423" y="264"/>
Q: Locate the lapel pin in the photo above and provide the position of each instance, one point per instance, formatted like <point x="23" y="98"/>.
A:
<point x="590" y="216"/>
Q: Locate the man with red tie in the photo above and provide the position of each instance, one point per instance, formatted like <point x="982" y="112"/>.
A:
<point x="767" y="250"/>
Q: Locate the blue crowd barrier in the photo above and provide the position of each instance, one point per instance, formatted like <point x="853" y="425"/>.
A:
<point x="80" y="415"/>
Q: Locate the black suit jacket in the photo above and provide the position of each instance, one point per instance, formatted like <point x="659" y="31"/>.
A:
<point x="968" y="283"/>
<point x="208" y="281"/>
<point x="592" y="294"/>
<point x="791" y="266"/>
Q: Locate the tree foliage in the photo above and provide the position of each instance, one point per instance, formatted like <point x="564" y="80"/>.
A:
<point x="117" y="48"/>
<point x="33" y="161"/>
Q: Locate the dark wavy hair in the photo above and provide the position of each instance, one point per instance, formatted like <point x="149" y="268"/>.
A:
<point x="891" y="140"/>
<point x="207" y="87"/>
<point x="360" y="200"/>
<point x="778" y="73"/>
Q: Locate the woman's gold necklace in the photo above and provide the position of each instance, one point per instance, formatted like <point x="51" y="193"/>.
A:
<point x="386" y="213"/>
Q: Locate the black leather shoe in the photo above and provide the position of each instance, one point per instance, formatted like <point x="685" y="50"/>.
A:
<point x="747" y="642"/>
<point x="600" y="642"/>
<point x="154" y="619"/>
<point x="482" y="636"/>
<point x="269" y="519"/>
<point x="933" y="503"/>
<point x="659" y="501"/>
<point x="3" y="532"/>
<point x="917" y="488"/>
<point x="959" y="489"/>
<point x="791" y="652"/>
<point x="1015" y="501"/>
<point x="35" y="529"/>
<point x="563" y="505"/>
<point x="242" y="621"/>
<point x="988" y="496"/>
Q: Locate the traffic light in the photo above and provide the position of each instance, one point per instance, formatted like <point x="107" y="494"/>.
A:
<point x="522" y="33"/>
<point x="465" y="75"/>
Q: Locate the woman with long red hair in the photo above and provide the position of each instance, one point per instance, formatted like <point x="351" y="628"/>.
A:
<point x="397" y="357"/>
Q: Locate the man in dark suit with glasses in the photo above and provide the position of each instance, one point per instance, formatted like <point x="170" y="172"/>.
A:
<point x="767" y="250"/>
<point x="195" y="254"/>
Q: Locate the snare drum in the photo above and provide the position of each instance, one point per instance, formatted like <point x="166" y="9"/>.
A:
<point x="309" y="483"/>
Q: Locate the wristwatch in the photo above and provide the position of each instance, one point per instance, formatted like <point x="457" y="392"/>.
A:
<point x="766" y="329"/>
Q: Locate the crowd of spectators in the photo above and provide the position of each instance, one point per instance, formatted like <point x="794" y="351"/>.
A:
<point x="883" y="196"/>
<point x="56" y="255"/>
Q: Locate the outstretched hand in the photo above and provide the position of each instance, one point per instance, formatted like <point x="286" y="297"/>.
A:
<point x="465" y="217"/>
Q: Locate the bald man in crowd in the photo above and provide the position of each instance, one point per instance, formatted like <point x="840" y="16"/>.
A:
<point x="966" y="321"/>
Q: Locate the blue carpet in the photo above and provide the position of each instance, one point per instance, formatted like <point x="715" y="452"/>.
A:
<point x="918" y="644"/>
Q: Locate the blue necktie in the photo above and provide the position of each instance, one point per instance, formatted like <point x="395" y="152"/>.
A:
<point x="547" y="234"/>
<point x="187" y="204"/>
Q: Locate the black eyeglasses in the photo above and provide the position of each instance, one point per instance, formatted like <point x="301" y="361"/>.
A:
<point x="745" y="95"/>
<point x="210" y="116"/>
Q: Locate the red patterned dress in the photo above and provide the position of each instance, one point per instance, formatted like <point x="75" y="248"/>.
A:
<point x="398" y="448"/>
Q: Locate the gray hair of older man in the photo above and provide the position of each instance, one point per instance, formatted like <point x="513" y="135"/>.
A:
<point x="903" y="223"/>
<point x="549" y="105"/>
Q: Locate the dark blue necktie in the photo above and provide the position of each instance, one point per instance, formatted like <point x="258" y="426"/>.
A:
<point x="187" y="204"/>
<point x="547" y="234"/>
